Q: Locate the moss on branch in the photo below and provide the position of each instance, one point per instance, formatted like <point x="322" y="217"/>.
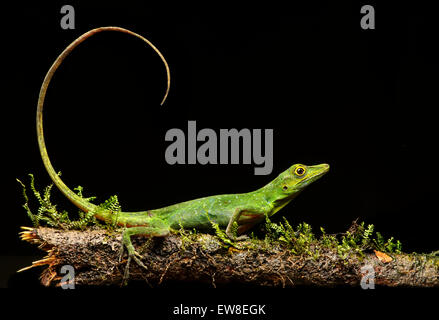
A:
<point x="283" y="256"/>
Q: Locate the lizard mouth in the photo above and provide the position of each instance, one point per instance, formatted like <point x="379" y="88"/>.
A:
<point x="320" y="170"/>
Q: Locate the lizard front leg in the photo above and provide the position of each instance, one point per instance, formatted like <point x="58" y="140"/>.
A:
<point x="235" y="217"/>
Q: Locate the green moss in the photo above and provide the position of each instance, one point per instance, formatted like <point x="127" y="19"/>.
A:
<point x="302" y="241"/>
<point x="48" y="214"/>
<point x="186" y="236"/>
<point x="225" y="240"/>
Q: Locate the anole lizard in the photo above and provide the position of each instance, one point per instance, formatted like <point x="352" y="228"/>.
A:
<point x="244" y="210"/>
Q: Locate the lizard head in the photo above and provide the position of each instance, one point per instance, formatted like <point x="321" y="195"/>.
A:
<point x="291" y="182"/>
<point x="299" y="176"/>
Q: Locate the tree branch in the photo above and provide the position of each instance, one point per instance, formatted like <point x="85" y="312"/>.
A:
<point x="94" y="255"/>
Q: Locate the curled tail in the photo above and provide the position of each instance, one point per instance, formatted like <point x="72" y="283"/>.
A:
<point x="73" y="197"/>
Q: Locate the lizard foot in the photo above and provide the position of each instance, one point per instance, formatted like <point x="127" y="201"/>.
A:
<point x="132" y="254"/>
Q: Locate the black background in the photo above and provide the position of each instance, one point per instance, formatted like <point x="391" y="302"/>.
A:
<point x="361" y="100"/>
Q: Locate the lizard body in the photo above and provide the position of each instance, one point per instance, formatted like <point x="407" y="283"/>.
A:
<point x="245" y="209"/>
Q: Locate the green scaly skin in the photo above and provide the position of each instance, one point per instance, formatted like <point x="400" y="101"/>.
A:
<point x="245" y="209"/>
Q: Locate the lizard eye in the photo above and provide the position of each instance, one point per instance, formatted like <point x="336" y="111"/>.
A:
<point x="300" y="171"/>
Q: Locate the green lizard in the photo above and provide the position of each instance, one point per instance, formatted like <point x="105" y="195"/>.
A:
<point x="230" y="210"/>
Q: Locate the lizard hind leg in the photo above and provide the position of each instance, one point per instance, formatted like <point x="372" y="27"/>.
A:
<point x="155" y="229"/>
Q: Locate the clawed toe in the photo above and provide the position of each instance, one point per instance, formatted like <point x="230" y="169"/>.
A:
<point x="136" y="256"/>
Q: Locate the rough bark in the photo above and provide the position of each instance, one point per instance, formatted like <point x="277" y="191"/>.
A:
<point x="94" y="255"/>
